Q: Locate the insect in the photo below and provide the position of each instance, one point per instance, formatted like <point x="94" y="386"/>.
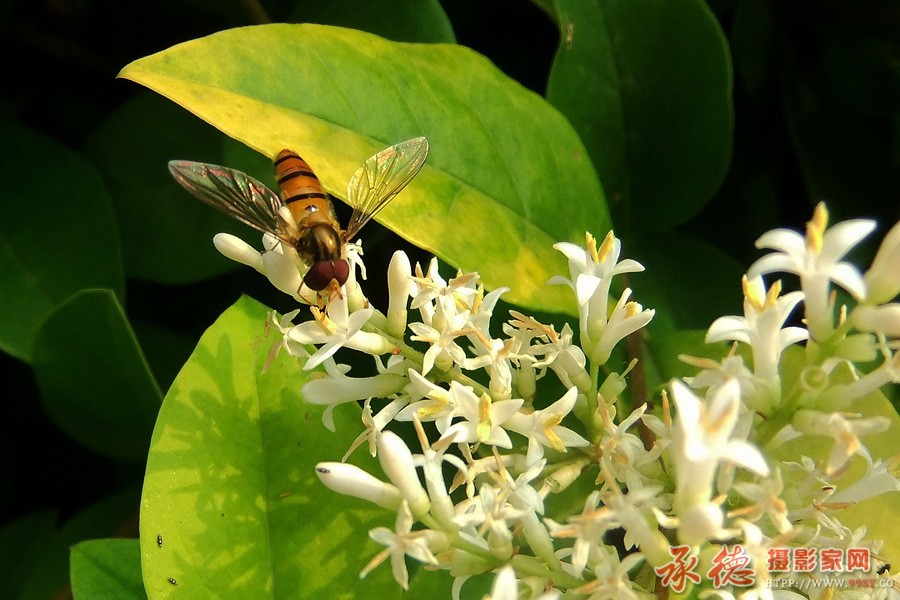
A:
<point x="303" y="216"/>
<point x="159" y="540"/>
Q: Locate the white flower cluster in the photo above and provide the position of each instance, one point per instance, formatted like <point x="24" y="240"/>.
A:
<point x="475" y="393"/>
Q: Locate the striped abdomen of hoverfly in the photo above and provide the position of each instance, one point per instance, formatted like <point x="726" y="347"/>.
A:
<point x="319" y="241"/>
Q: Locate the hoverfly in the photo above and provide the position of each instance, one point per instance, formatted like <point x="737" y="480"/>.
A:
<point x="303" y="216"/>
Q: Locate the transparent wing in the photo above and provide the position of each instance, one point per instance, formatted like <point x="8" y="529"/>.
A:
<point x="234" y="193"/>
<point x="380" y="179"/>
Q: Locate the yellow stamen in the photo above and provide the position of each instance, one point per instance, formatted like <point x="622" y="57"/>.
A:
<point x="760" y="304"/>
<point x="667" y="414"/>
<point x="322" y="319"/>
<point x="483" y="429"/>
<point x="773" y="293"/>
<point x="606" y="246"/>
<point x="590" y="245"/>
<point x="632" y="309"/>
<point x="815" y="228"/>
<point x="553" y="421"/>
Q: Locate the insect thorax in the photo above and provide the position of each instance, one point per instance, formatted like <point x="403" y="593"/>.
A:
<point x="320" y="243"/>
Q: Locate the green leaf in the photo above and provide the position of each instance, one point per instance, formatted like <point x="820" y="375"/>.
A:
<point x="506" y="178"/>
<point x="21" y="542"/>
<point x="166" y="234"/>
<point x="398" y="20"/>
<point x="94" y="381"/>
<point x="231" y="505"/>
<point x="57" y="233"/>
<point x="107" y="570"/>
<point x="49" y="576"/>
<point x="647" y="84"/>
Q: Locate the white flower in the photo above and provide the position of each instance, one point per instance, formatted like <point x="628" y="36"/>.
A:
<point x="713" y="374"/>
<point x="816" y="259"/>
<point x="350" y="480"/>
<point x="626" y="318"/>
<point x="591" y="271"/>
<point x="545" y="425"/>
<point x="338" y="328"/>
<point x="875" y="481"/>
<point x="428" y="288"/>
<point x="612" y="581"/>
<point x="883" y="277"/>
<point x="761" y="326"/>
<point x="336" y="388"/>
<point x="491" y="513"/>
<point x="283" y="325"/>
<point x="766" y="499"/>
<point x="701" y="439"/>
<point x="633" y="511"/>
<point x="484" y="419"/>
<point x="588" y="529"/>
<point x="505" y="586"/>
<point x="565" y="358"/>
<point x="404" y="541"/>
<point x="444" y="351"/>
<point x="623" y="453"/>
<point x="883" y="319"/>
<point x="279" y="263"/>
<point x="431" y="460"/>
<point x="494" y="356"/>
<point x="845" y="432"/>
<point x="399" y="286"/>
<point x="398" y="464"/>
<point x="430" y="402"/>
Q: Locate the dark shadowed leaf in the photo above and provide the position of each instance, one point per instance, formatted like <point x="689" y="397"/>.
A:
<point x="94" y="381"/>
<point x="57" y="233"/>
<point x="647" y="85"/>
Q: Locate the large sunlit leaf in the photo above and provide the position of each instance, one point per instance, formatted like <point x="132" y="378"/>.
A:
<point x="57" y="233"/>
<point x="95" y="383"/>
<point x="398" y="20"/>
<point x="107" y="570"/>
<point x="507" y="175"/>
<point x="231" y="505"/>
<point x="647" y="84"/>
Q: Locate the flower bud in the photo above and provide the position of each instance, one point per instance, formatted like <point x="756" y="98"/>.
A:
<point x="397" y="463"/>
<point x="538" y="538"/>
<point x="399" y="272"/>
<point x="236" y="249"/>
<point x="370" y="343"/>
<point x="335" y="390"/>
<point x="878" y="319"/>
<point x="282" y="272"/>
<point x="350" y="480"/>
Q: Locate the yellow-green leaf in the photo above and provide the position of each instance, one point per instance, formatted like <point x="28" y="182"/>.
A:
<point x="507" y="175"/>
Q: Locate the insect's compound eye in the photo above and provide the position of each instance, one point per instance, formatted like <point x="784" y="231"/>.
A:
<point x="321" y="273"/>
